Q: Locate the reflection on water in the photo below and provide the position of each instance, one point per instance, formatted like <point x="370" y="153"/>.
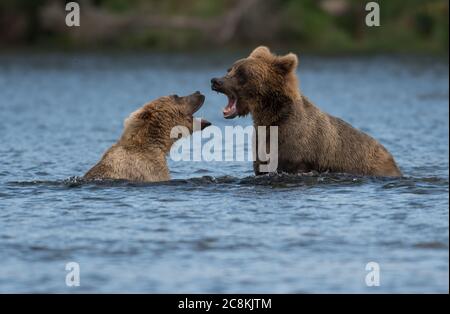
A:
<point x="216" y="227"/>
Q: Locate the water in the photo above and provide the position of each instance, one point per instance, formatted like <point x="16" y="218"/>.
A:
<point x="215" y="227"/>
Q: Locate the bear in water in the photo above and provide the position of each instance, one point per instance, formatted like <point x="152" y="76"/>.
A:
<point x="140" y="153"/>
<point x="266" y="86"/>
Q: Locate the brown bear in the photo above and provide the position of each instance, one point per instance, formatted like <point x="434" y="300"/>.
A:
<point x="140" y="153"/>
<point x="266" y="86"/>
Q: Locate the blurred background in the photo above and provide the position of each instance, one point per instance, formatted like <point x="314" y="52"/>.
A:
<point x="319" y="26"/>
<point x="65" y="92"/>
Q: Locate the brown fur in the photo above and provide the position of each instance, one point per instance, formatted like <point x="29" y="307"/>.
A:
<point x="266" y="86"/>
<point x="140" y="153"/>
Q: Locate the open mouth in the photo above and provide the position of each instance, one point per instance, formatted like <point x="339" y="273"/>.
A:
<point x="199" y="100"/>
<point x="203" y="122"/>
<point x="230" y="110"/>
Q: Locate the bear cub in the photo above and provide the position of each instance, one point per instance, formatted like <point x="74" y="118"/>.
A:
<point x="140" y="153"/>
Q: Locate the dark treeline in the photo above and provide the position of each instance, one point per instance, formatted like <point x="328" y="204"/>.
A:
<point x="315" y="25"/>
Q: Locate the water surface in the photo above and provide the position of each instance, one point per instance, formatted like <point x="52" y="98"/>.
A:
<point x="215" y="227"/>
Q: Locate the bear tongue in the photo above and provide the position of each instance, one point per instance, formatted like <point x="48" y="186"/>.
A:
<point x="230" y="111"/>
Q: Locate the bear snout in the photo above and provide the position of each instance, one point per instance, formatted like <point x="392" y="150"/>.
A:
<point x="216" y="83"/>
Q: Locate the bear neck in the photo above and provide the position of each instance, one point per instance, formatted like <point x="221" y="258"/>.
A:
<point x="275" y="107"/>
<point x="146" y="144"/>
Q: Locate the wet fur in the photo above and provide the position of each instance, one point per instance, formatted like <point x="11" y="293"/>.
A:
<point x="266" y="86"/>
<point x="140" y="153"/>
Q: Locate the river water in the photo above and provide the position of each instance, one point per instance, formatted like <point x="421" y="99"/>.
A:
<point x="215" y="227"/>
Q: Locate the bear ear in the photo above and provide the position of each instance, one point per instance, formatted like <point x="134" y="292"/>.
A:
<point x="261" y="52"/>
<point x="136" y="119"/>
<point x="144" y="115"/>
<point x="287" y="63"/>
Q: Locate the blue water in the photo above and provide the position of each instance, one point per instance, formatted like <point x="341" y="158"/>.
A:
<point x="215" y="227"/>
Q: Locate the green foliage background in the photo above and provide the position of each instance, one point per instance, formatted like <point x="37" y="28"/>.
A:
<point x="406" y="26"/>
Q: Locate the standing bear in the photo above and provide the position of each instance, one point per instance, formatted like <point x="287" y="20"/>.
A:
<point x="266" y="86"/>
<point x="140" y="153"/>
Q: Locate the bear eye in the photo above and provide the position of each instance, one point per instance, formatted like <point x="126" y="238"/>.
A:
<point x="175" y="97"/>
<point x="241" y="75"/>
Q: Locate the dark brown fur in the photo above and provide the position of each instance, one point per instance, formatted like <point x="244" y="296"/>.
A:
<point x="266" y="86"/>
<point x="140" y="153"/>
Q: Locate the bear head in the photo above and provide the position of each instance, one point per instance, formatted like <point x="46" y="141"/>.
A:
<point x="151" y="125"/>
<point x="261" y="82"/>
